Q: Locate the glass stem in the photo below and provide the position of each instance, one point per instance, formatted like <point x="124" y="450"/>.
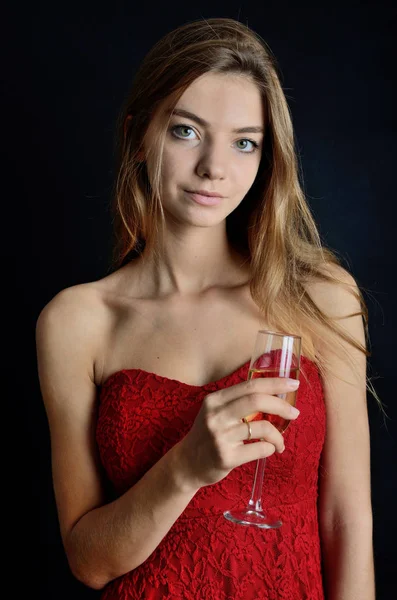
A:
<point x="255" y="502"/>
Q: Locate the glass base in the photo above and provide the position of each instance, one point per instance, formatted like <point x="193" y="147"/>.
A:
<point x="251" y="517"/>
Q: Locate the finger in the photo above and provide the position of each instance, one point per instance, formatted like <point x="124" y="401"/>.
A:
<point x="262" y="430"/>
<point x="262" y="403"/>
<point x="248" y="452"/>
<point x="270" y="385"/>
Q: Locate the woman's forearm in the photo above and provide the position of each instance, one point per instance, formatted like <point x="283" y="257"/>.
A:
<point x="115" y="538"/>
<point x="348" y="565"/>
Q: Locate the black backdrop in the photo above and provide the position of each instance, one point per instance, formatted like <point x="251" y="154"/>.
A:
<point x="66" y="68"/>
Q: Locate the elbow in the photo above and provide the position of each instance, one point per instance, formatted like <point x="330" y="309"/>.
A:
<point x="86" y="578"/>
<point x="93" y="569"/>
<point x="83" y="571"/>
<point x="89" y="573"/>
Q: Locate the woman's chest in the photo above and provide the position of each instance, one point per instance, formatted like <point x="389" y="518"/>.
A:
<point x="191" y="340"/>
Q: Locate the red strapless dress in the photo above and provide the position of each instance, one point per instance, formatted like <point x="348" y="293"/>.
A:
<point x="204" y="556"/>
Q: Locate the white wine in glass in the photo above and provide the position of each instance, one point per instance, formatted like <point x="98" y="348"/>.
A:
<point x="275" y="355"/>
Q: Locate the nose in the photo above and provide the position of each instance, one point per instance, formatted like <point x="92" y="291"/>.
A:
<point x="212" y="162"/>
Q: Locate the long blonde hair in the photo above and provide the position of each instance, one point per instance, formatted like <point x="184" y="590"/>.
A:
<point x="272" y="227"/>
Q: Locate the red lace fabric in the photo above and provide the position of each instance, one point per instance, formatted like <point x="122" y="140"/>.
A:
<point x="141" y="416"/>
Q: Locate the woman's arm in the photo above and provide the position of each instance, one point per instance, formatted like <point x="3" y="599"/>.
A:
<point x="345" y="513"/>
<point x="101" y="541"/>
<point x="104" y="541"/>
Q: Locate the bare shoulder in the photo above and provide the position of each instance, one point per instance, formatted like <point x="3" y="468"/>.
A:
<point x="77" y="301"/>
<point x="337" y="295"/>
<point x="335" y="292"/>
<point x="81" y="319"/>
<point x="75" y="320"/>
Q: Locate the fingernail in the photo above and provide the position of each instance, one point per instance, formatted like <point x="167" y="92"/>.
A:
<point x="295" y="412"/>
<point x="293" y="384"/>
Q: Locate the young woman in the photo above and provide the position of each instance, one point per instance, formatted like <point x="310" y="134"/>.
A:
<point x="143" y="373"/>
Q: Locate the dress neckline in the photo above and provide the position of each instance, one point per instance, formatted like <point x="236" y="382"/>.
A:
<point x="187" y="385"/>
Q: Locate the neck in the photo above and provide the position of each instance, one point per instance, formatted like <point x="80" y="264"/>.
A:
<point x="193" y="261"/>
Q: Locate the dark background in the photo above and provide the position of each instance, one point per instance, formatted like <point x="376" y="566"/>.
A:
<point x="65" y="69"/>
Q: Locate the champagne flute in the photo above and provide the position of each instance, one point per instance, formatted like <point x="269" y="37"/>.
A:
<point x="275" y="355"/>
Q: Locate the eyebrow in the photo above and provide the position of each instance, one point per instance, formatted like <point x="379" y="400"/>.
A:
<point x="189" y="115"/>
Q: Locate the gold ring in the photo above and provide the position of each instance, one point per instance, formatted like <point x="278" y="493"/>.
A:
<point x="249" y="429"/>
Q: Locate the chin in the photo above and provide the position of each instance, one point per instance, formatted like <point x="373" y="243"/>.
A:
<point x="195" y="219"/>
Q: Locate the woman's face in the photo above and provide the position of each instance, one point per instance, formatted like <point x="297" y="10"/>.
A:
<point x="203" y="150"/>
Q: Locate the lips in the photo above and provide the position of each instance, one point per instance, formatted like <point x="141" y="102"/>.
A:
<point x="203" y="192"/>
<point x="204" y="200"/>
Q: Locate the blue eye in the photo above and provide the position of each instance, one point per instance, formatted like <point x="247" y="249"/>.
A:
<point x="186" y="127"/>
<point x="181" y="127"/>
<point x="255" y="145"/>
